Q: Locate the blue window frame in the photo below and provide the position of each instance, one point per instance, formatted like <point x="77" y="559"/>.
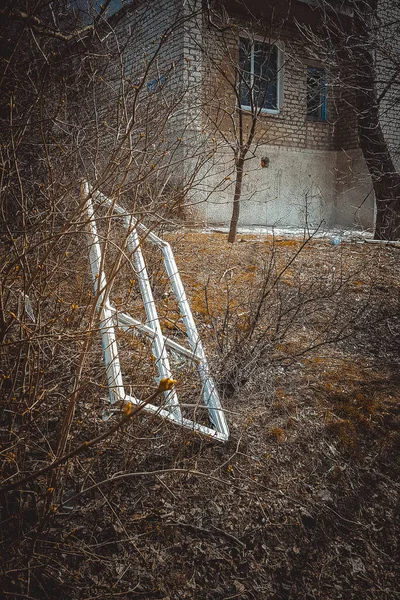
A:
<point x="316" y="94"/>
<point x="156" y="84"/>
<point x="258" y="76"/>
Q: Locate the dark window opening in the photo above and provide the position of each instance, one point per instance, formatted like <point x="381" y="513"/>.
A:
<point x="258" y="75"/>
<point x="316" y="94"/>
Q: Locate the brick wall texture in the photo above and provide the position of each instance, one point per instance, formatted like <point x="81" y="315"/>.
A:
<point x="172" y="42"/>
<point x="181" y="70"/>
<point x="290" y="127"/>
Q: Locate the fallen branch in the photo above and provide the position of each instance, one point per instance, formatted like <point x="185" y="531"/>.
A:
<point x="391" y="243"/>
<point x="194" y="472"/>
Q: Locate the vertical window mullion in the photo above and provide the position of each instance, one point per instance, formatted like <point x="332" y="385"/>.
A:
<point x="252" y="72"/>
<point x="323" y="96"/>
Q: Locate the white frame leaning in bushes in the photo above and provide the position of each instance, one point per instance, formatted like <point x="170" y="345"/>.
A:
<point x="111" y="318"/>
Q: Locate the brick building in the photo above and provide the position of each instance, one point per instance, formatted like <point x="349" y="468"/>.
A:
<point x="222" y="64"/>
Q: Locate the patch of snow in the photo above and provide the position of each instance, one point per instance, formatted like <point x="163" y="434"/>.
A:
<point x="347" y="235"/>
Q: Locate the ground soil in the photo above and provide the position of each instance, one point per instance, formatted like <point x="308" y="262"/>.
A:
<point x="301" y="503"/>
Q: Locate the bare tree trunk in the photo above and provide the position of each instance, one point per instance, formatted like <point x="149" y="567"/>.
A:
<point x="236" y="200"/>
<point x="385" y="178"/>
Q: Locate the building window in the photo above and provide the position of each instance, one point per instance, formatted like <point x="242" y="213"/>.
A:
<point x="258" y="76"/>
<point x="316" y="94"/>
<point x="155" y="85"/>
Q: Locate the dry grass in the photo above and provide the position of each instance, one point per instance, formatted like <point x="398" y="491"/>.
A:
<point x="300" y="504"/>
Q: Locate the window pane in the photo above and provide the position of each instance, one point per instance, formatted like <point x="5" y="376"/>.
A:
<point x="245" y="78"/>
<point x="266" y="76"/>
<point x="316" y="97"/>
<point x="258" y="74"/>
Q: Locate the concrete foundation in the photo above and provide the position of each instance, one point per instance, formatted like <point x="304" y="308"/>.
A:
<point x="354" y="197"/>
<point x="296" y="188"/>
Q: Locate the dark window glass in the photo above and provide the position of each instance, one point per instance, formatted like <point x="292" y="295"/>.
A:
<point x="258" y="73"/>
<point x="266" y="76"/>
<point x="316" y="94"/>
<point x="245" y="72"/>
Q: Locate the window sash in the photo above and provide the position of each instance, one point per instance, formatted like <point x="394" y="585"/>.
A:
<point x="259" y="76"/>
<point x="316" y="94"/>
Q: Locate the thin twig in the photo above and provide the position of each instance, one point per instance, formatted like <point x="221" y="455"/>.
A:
<point x="84" y="446"/>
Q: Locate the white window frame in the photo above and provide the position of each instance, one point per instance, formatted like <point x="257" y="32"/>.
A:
<point x="279" y="76"/>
